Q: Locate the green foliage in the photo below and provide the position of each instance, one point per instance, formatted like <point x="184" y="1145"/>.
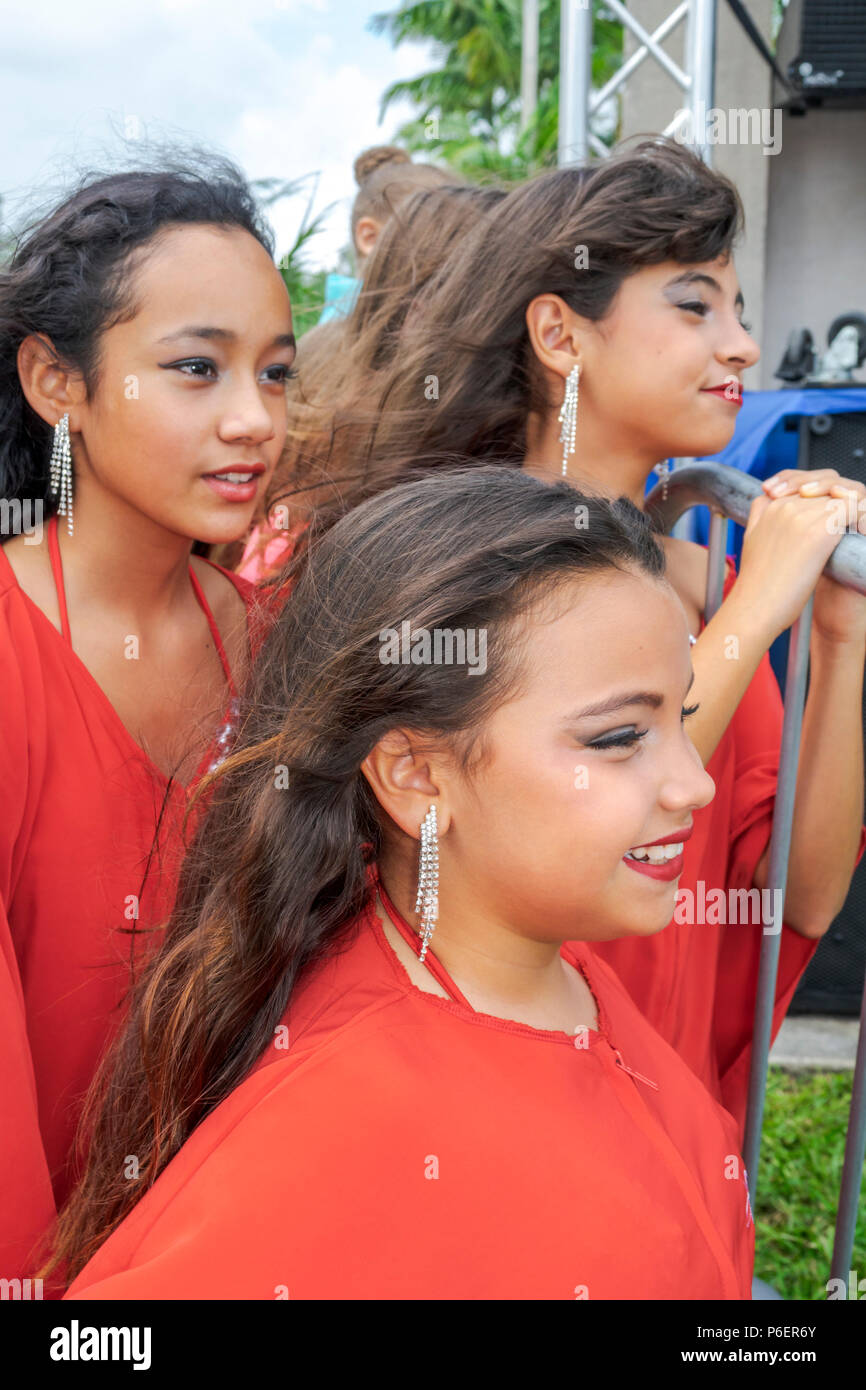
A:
<point x="805" y="1122"/>
<point x="469" y="104"/>
<point x="306" y="287"/>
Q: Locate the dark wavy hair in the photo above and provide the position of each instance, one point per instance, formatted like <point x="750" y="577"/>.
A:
<point x="278" y="869"/>
<point x="71" y="276"/>
<point x="652" y="202"/>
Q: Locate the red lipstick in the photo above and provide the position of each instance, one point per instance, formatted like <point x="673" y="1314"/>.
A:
<point x="724" y="393"/>
<point x="669" y="869"/>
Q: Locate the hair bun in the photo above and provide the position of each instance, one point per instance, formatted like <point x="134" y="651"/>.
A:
<point x="370" y="160"/>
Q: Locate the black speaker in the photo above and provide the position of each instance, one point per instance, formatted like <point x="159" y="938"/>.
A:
<point x="830" y="66"/>
<point x="833" y="981"/>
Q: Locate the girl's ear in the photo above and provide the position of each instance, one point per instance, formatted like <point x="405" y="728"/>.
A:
<point x="405" y="779"/>
<point x="49" y="389"/>
<point x="555" y="334"/>
<point x="367" y="230"/>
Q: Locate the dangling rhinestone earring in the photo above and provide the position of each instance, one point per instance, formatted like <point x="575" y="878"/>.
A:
<point x="61" y="470"/>
<point x="427" y="901"/>
<point x="568" y="417"/>
<point x="663" y="470"/>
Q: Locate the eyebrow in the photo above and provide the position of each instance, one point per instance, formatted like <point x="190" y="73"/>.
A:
<point x="697" y="277"/>
<point x="615" y="702"/>
<point x="223" y="335"/>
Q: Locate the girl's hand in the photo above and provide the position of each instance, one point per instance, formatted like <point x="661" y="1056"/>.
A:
<point x="839" y="614"/>
<point x="786" y="545"/>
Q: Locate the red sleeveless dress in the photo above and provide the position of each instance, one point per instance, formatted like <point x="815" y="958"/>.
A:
<point x="90" y="843"/>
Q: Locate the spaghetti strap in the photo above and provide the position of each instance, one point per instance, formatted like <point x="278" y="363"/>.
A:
<point x="437" y="970"/>
<point x="57" y="571"/>
<point x="215" y="632"/>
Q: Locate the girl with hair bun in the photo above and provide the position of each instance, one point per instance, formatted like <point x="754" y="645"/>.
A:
<point x="386" y="176"/>
<point x="364" y="1067"/>
<point x="145" y="341"/>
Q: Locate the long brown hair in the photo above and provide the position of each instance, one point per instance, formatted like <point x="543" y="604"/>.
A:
<point x="338" y="361"/>
<point x="465" y="379"/>
<point x="278" y="869"/>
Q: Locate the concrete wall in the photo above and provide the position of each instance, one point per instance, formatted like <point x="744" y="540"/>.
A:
<point x="816" y="229"/>
<point x="742" y="80"/>
<point x="803" y="257"/>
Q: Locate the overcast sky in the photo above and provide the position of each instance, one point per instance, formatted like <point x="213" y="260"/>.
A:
<point x="285" y="87"/>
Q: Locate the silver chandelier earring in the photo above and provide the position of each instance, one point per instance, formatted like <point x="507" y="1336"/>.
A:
<point x="61" y="470"/>
<point x="568" y="417"/>
<point x="427" y="901"/>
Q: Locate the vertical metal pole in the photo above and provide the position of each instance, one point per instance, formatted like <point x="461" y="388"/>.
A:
<point x="715" y="564"/>
<point x="777" y="874"/>
<point x="529" y="63"/>
<point x="700" y="55"/>
<point x="575" y="71"/>
<point x="855" y="1151"/>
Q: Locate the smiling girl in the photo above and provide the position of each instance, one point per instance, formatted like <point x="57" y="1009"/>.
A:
<point x="612" y="292"/>
<point x="145" y="339"/>
<point x="324" y="1105"/>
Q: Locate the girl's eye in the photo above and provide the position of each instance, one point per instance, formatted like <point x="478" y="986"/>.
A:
<point x="286" y="373"/>
<point x="626" y="739"/>
<point x="696" y="306"/>
<point x="692" y="709"/>
<point x="190" y="366"/>
<point x="194" y="362"/>
<point x="746" y="327"/>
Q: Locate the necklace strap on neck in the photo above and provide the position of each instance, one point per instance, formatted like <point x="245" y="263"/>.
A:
<point x="437" y="970"/>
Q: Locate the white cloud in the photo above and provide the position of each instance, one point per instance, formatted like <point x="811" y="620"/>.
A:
<point x="285" y="87"/>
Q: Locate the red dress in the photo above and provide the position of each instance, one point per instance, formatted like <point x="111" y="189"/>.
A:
<point x="395" y="1144"/>
<point x="78" y="816"/>
<point x="695" y="981"/>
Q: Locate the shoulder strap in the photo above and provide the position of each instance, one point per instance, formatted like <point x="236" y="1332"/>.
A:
<point x="57" y="571"/>
<point x="215" y="632"/>
<point x="436" y="968"/>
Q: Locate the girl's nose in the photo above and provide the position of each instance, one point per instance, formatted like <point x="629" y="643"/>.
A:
<point x="246" y="417"/>
<point x="689" y="786"/>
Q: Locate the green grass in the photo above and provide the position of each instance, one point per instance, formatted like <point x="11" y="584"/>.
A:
<point x="803" y="1145"/>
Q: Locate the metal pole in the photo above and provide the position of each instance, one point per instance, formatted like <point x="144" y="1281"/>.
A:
<point x="575" y="70"/>
<point x="852" y="1170"/>
<point x="715" y="564"/>
<point x="529" y="63"/>
<point x="700" y="63"/>
<point x="777" y="874"/>
<point x="729" y="493"/>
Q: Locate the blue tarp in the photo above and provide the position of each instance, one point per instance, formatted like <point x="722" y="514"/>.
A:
<point x="763" y="446"/>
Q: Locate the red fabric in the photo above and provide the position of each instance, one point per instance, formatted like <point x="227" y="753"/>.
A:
<point x="78" y="814"/>
<point x="696" y="982"/>
<point x="405" y="1146"/>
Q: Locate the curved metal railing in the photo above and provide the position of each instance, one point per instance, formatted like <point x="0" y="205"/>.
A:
<point x="729" y="495"/>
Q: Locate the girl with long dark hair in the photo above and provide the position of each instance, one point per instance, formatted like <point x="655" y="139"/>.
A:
<point x="361" y="1067"/>
<point x="145" y="340"/>
<point x="602" y="304"/>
